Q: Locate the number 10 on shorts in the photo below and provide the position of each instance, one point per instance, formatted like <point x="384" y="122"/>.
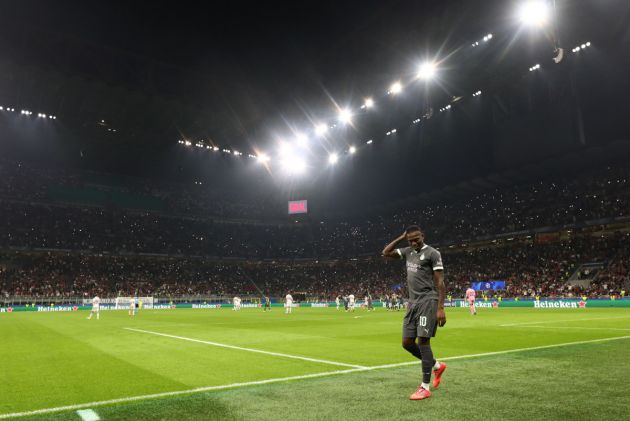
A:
<point x="422" y="321"/>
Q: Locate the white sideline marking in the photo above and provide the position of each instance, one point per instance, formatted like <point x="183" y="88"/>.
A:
<point x="88" y="415"/>
<point x="284" y="379"/>
<point x="260" y="351"/>
<point x="573" y="327"/>
<point x="565" y="320"/>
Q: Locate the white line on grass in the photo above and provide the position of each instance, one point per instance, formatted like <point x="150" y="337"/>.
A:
<point x="572" y="327"/>
<point x="284" y="379"/>
<point x="88" y="415"/>
<point x="565" y="320"/>
<point x="240" y="348"/>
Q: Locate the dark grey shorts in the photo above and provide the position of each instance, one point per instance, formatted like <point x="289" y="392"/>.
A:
<point x="420" y="319"/>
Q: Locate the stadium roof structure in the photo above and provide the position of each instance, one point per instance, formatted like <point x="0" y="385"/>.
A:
<point x="128" y="94"/>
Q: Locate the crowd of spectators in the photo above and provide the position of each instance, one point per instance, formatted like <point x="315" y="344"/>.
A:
<point x="33" y="220"/>
<point x="528" y="268"/>
<point x="67" y="249"/>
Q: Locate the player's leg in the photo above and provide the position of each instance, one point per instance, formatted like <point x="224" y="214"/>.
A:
<point x="410" y="333"/>
<point x="427" y="328"/>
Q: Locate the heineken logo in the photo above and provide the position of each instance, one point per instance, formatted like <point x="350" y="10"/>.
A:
<point x="57" y="308"/>
<point x="480" y="304"/>
<point x="206" y="306"/>
<point x="559" y="304"/>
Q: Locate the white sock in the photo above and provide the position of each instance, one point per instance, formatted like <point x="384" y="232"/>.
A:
<point x="437" y="365"/>
<point x="425" y="386"/>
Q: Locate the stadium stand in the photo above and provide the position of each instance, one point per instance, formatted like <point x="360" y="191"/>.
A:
<point x="68" y="245"/>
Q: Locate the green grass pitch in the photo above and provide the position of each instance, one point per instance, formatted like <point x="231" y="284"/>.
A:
<point x="315" y="364"/>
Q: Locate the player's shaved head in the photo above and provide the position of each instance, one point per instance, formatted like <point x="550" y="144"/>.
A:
<point x="413" y="228"/>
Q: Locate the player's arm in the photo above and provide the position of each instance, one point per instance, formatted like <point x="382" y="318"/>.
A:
<point x="438" y="278"/>
<point x="390" y="249"/>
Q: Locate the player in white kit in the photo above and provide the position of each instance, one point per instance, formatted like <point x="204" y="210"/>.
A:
<point x="132" y="306"/>
<point x="96" y="308"/>
<point x="338" y="302"/>
<point x="351" y="302"/>
<point x="288" y="304"/>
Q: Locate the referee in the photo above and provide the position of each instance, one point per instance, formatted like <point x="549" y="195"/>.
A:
<point x="425" y="283"/>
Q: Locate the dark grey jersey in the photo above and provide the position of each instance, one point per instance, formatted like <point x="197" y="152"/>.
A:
<point x="420" y="267"/>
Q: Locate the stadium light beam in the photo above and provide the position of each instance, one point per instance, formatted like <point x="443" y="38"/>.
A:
<point x="333" y="158"/>
<point x="352" y="150"/>
<point x="369" y="103"/>
<point x="301" y="139"/>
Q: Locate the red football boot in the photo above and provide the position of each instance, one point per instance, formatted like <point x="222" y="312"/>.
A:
<point x="420" y="393"/>
<point x="438" y="375"/>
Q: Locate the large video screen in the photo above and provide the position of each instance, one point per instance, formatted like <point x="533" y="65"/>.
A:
<point x="488" y="285"/>
<point x="298" y="206"/>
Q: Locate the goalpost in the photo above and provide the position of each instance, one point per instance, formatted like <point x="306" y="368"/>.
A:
<point x="124" y="302"/>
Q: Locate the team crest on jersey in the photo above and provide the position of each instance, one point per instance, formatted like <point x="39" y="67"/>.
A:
<point x="422" y="256"/>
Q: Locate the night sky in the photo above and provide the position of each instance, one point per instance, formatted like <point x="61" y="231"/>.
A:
<point x="243" y="74"/>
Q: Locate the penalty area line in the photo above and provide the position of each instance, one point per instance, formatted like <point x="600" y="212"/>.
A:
<point x="240" y="348"/>
<point x="285" y="379"/>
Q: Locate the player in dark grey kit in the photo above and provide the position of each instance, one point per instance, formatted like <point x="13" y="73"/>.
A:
<point x="425" y="311"/>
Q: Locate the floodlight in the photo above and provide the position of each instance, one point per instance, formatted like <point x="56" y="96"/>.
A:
<point x="345" y="115"/>
<point x="320" y="129"/>
<point x="534" y="13"/>
<point x="396" y="88"/>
